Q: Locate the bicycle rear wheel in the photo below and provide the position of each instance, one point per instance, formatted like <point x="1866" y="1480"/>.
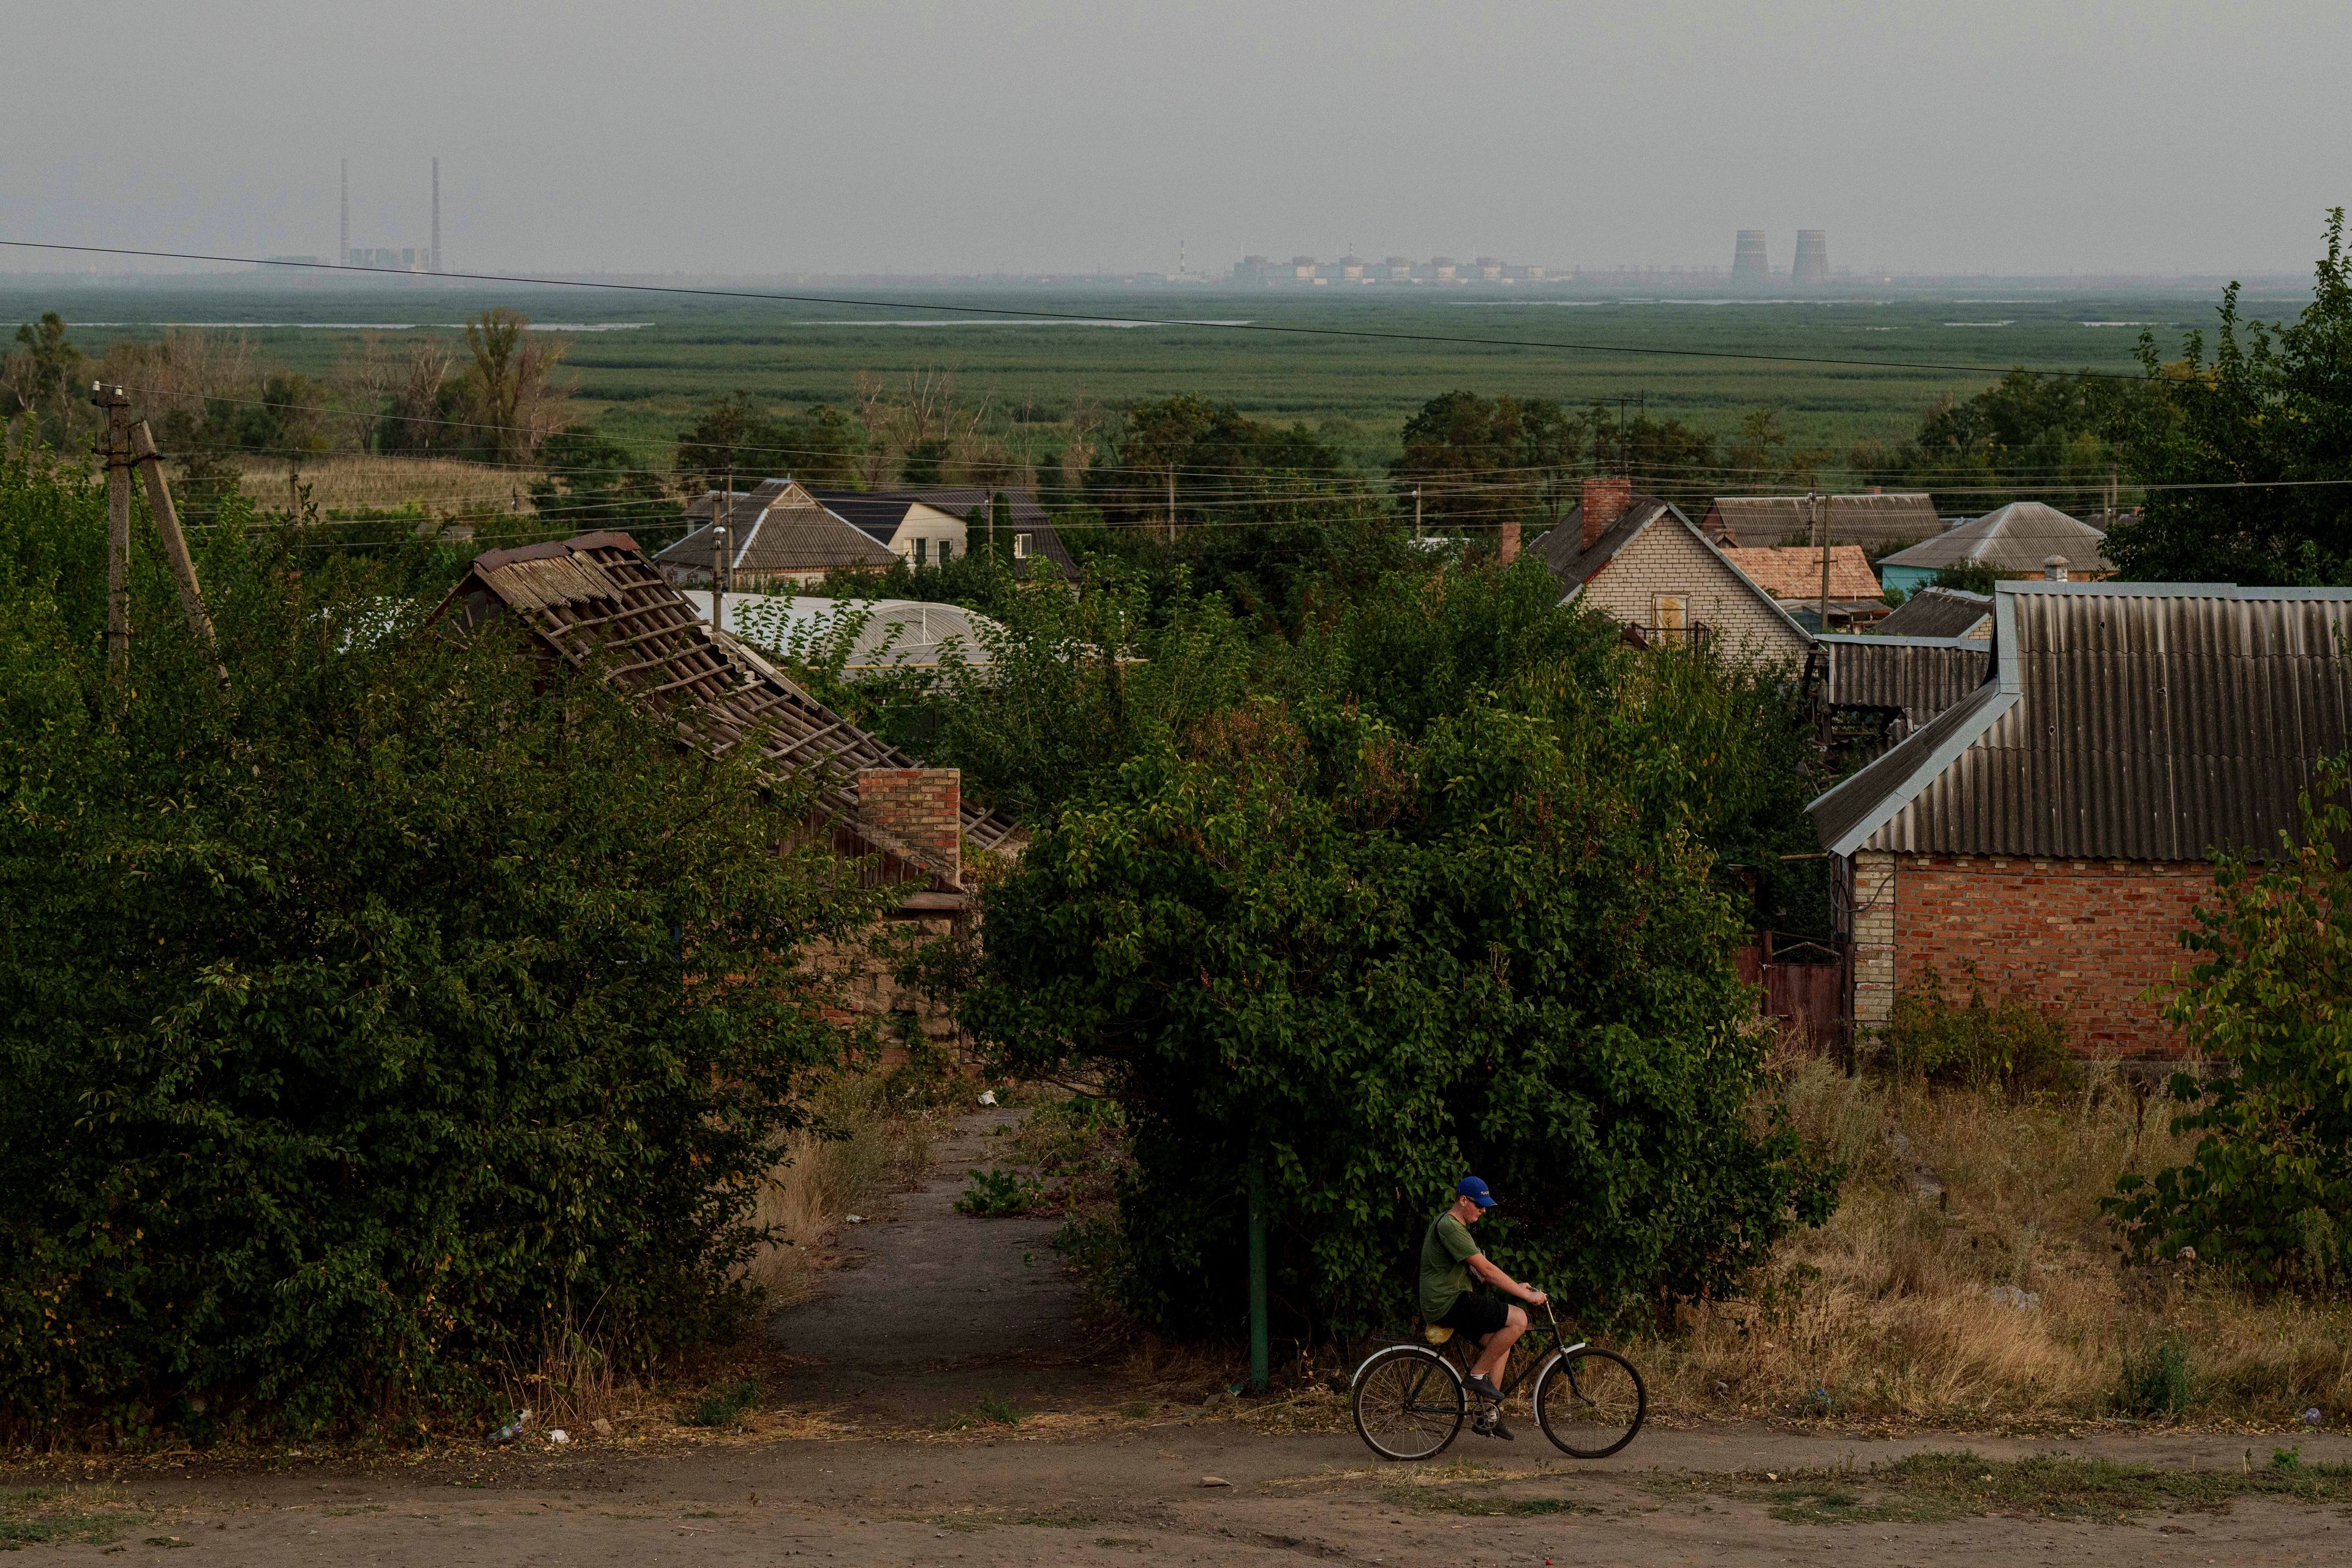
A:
<point x="1589" y="1402"/>
<point x="1408" y="1403"/>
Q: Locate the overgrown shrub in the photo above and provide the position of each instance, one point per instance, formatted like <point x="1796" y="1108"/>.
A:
<point x="1372" y="961"/>
<point x="2011" y="1045"/>
<point x="359" y="1024"/>
<point x="2267" y="1191"/>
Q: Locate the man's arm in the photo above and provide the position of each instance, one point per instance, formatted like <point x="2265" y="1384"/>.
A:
<point x="1484" y="1268"/>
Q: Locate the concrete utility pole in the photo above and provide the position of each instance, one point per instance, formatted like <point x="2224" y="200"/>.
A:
<point x="175" y="544"/>
<point x="1172" y="505"/>
<point x="117" y="450"/>
<point x="1821" y="506"/>
<point x="1416" y="514"/>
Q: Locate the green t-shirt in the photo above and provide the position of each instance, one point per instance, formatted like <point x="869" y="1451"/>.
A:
<point x="1446" y="1255"/>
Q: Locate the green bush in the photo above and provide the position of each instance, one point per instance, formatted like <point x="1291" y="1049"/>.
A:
<point x="723" y="1406"/>
<point x="2155" y="1379"/>
<point x="357" y="1025"/>
<point x="1374" y="959"/>
<point x="2267" y="1190"/>
<point x="996" y="1193"/>
<point x="2011" y="1045"/>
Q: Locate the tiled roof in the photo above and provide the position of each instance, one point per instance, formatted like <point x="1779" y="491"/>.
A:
<point x="1794" y="572"/>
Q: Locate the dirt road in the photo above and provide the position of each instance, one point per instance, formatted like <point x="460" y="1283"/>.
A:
<point x="1131" y="1492"/>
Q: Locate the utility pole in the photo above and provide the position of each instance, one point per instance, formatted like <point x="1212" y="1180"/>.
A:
<point x="722" y="553"/>
<point x="1171" y="504"/>
<point x="175" y="544"/>
<point x="117" y="405"/>
<point x="1416" y="514"/>
<point x="2111" y="499"/>
<point x="1821" y="506"/>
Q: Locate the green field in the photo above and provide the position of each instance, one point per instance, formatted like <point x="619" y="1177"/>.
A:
<point x="638" y="381"/>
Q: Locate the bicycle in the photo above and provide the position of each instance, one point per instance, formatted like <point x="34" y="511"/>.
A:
<point x="1409" y="1400"/>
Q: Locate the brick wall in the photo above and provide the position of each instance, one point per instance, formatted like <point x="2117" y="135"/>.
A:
<point x="2095" y="935"/>
<point x="1871" y="927"/>
<point x="1665" y="559"/>
<point x="920" y="807"/>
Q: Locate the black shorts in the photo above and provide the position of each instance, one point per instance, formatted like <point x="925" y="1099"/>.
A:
<point x="1475" y="1314"/>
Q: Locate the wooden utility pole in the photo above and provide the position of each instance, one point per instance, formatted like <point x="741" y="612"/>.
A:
<point x="2111" y="499"/>
<point x="117" y="405"/>
<point x="1416" y="514"/>
<point x="1821" y="506"/>
<point x="175" y="544"/>
<point x="1171" y="504"/>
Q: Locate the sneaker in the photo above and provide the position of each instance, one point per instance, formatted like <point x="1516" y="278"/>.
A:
<point x="1496" y="1428"/>
<point x="1477" y="1384"/>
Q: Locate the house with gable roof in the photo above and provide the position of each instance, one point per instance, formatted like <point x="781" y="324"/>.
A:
<point x="1639" y="558"/>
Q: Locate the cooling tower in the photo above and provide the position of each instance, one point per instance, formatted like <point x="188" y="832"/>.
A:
<point x="1813" y="269"/>
<point x="1748" y="268"/>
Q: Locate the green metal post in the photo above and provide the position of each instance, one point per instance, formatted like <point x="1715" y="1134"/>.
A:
<point x="1258" y="1374"/>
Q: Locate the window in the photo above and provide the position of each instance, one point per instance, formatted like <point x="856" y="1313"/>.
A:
<point x="947" y="551"/>
<point x="920" y="546"/>
<point x="1670" y="619"/>
<point x="1021" y="547"/>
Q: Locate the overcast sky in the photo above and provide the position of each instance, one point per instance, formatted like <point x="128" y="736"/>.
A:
<point x="2016" y="136"/>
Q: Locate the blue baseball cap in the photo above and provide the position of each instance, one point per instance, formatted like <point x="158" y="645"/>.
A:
<point x="1474" y="1189"/>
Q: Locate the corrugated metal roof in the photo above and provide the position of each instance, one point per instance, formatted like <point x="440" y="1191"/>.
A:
<point x="1921" y="677"/>
<point x="2135" y="721"/>
<point x="596" y="601"/>
<point x="1941" y="613"/>
<point x="1874" y="521"/>
<point x="2019" y="537"/>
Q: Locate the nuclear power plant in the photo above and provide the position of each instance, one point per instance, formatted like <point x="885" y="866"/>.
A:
<point x="1749" y="269"/>
<point x="387" y="258"/>
<point x="1812" y="268"/>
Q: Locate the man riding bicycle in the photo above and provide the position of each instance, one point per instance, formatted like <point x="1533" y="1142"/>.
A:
<point x="1449" y="1259"/>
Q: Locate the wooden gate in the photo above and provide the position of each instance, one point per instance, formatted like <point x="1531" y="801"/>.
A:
<point x="1804" y="987"/>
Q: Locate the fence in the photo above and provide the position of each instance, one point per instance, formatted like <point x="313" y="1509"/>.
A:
<point x="1804" y="987"/>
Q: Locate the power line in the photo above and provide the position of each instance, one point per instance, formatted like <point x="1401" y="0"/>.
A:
<point x="1082" y="317"/>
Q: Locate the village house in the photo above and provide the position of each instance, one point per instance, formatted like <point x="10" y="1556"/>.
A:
<point x="1876" y="520"/>
<point x="783" y="534"/>
<point x="1643" y="563"/>
<point x="2023" y="538"/>
<point x="2048" y="835"/>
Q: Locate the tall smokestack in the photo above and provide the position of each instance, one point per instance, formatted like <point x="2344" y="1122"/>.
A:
<point x="344" y="234"/>
<point x="1748" y="268"/>
<point x="435" y="264"/>
<point x="1813" y="268"/>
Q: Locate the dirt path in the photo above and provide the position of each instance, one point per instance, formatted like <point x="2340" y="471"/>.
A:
<point x="1130" y="1492"/>
<point x="931" y="1310"/>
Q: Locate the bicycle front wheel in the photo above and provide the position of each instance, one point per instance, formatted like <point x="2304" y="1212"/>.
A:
<point x="1589" y="1402"/>
<point x="1409" y="1403"/>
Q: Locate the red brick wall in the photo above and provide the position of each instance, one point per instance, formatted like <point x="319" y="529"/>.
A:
<point x="920" y="807"/>
<point x="2095" y="935"/>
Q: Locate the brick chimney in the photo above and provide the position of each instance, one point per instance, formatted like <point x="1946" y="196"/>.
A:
<point x="920" y="807"/>
<point x="1605" y="501"/>
<point x="1506" y="544"/>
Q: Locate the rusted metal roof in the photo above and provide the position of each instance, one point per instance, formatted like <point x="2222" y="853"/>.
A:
<point x="2131" y="721"/>
<point x="1941" y="613"/>
<point x="597" y="603"/>
<point x="1919" y="676"/>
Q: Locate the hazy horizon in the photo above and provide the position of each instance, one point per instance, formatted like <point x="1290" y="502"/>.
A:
<point x="752" y="141"/>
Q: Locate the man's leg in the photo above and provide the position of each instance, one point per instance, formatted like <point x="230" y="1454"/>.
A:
<point x="1496" y="1353"/>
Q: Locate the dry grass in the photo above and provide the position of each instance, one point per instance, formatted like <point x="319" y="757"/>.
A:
<point x="345" y="483"/>
<point x="1907" y="1304"/>
<point x="868" y="1141"/>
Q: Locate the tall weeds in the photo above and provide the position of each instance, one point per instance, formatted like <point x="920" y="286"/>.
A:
<point x="871" y="1136"/>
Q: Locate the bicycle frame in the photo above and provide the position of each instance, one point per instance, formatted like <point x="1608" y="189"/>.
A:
<point x="1550" y="1328"/>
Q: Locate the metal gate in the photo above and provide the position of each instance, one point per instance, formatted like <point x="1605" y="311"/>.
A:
<point x="1804" y="987"/>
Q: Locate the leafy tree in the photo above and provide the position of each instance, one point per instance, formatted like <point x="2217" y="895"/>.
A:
<point x="2029" y="436"/>
<point x="2271" y="411"/>
<point x="1226" y="468"/>
<point x="736" y="435"/>
<point x="1371" y="954"/>
<point x="42" y="377"/>
<point x="2268" y="1191"/>
<point x="594" y="483"/>
<point x="1479" y="461"/>
<point x="1761" y="456"/>
<point x="510" y="396"/>
<point x="359" y="1024"/>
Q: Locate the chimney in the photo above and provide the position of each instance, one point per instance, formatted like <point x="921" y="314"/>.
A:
<point x="1875" y="491"/>
<point x="1605" y="501"/>
<point x="2055" y="568"/>
<point x="921" y="808"/>
<point x="1507" y="545"/>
